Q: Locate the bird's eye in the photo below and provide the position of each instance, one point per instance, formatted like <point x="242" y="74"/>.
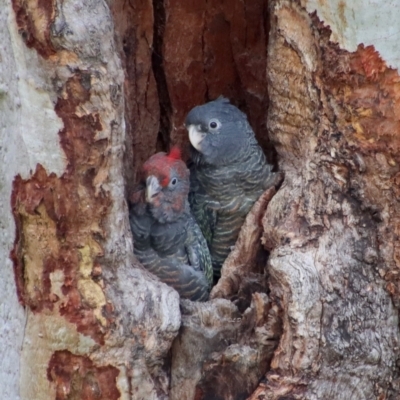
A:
<point x="214" y="123"/>
<point x="174" y="181"/>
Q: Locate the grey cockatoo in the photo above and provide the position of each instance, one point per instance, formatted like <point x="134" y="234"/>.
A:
<point x="228" y="171"/>
<point x="167" y="239"/>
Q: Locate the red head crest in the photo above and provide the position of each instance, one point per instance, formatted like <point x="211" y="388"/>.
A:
<point x="175" y="153"/>
<point x="161" y="164"/>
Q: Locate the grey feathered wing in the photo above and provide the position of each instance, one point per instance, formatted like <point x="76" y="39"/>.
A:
<point x="173" y="269"/>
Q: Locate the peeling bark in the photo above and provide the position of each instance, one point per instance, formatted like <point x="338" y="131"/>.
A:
<point x="89" y="304"/>
<point x="307" y="305"/>
<point x="76" y="376"/>
<point x="325" y="226"/>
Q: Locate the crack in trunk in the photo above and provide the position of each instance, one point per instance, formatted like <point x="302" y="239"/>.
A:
<point x="163" y="139"/>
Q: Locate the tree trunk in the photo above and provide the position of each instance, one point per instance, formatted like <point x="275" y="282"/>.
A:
<point x="307" y="305"/>
<point x="331" y="228"/>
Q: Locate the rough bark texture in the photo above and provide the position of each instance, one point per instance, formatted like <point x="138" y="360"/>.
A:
<point x="225" y="347"/>
<point x="88" y="91"/>
<point x="221" y="353"/>
<point x="94" y="324"/>
<point x="331" y="228"/>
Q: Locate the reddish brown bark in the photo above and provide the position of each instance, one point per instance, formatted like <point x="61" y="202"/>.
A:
<point x="34" y="19"/>
<point x="134" y="25"/>
<point x="195" y="52"/>
<point x="212" y="49"/>
<point x="77" y="377"/>
<point x="368" y="94"/>
<point x="64" y="214"/>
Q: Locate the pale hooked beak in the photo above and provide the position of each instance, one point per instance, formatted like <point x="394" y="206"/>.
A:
<point x="195" y="136"/>
<point x="152" y="188"/>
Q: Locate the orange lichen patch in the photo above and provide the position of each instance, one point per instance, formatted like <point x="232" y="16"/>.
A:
<point x="59" y="221"/>
<point x="77" y="377"/>
<point x="34" y="18"/>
